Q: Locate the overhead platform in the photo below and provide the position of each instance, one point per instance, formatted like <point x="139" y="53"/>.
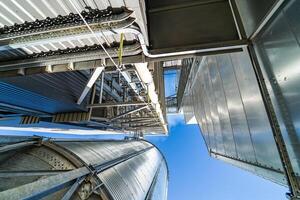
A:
<point x="73" y="62"/>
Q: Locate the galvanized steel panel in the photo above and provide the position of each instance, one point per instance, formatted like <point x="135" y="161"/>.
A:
<point x="16" y="96"/>
<point x="199" y="110"/>
<point x="208" y="114"/>
<point x="230" y="112"/>
<point x="99" y="152"/>
<point x="51" y="93"/>
<point x="236" y="110"/>
<point x="159" y="191"/>
<point x="276" y="177"/>
<point x="132" y="179"/>
<point x="259" y="126"/>
<point x="212" y="68"/>
<point x="278" y="51"/>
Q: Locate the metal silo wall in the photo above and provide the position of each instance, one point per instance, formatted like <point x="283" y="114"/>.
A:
<point x="132" y="179"/>
<point x="160" y="191"/>
<point x="102" y="151"/>
<point x="230" y="112"/>
<point x="278" y="51"/>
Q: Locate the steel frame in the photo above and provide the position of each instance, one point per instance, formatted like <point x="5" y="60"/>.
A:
<point x="104" y="105"/>
<point x="17" y="146"/>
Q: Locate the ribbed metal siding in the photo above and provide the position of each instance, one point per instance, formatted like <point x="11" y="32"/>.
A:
<point x="160" y="191"/>
<point x="36" y="9"/>
<point x="51" y="93"/>
<point x="19" y="97"/>
<point x="229" y="109"/>
<point x="132" y="178"/>
<point x="99" y="152"/>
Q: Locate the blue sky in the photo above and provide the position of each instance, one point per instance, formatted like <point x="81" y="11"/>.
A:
<point x="196" y="176"/>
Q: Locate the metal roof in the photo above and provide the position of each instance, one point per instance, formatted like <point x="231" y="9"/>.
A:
<point x="24" y="11"/>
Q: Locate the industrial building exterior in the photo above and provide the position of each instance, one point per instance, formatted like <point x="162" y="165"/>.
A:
<point x="100" y="64"/>
<point x="246" y="103"/>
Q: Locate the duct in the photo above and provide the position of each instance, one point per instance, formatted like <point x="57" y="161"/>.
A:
<point x="220" y="47"/>
<point x="146" y="77"/>
<point x="139" y="35"/>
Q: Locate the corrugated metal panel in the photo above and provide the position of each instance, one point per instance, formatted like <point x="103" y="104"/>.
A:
<point x="211" y="75"/>
<point x="19" y="11"/>
<point x="159" y="192"/>
<point x="276" y="177"/>
<point x="200" y="109"/>
<point x="15" y="96"/>
<point x="228" y="106"/>
<point x="236" y="110"/>
<point x="99" y="152"/>
<point x="258" y="123"/>
<point x="132" y="178"/>
<point x="278" y="50"/>
<point x="51" y="93"/>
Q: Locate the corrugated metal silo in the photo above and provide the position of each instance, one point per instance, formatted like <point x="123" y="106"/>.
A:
<point x="110" y="169"/>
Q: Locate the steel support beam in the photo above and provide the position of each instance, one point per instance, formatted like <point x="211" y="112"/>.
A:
<point x="90" y="83"/>
<point x="267" y="18"/>
<point x="129" y="112"/>
<point x="73" y="188"/>
<point x="104" y="105"/>
<point x="101" y="88"/>
<point x="9" y="174"/>
<point x="17" y="146"/>
<point x="45" y="186"/>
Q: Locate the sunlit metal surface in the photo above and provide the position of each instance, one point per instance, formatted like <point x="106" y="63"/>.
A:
<point x="99" y="152"/>
<point x="278" y="52"/>
<point x="225" y="99"/>
<point x="131" y="179"/>
<point x="114" y="169"/>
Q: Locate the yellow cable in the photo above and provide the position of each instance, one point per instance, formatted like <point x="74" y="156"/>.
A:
<point x="120" y="51"/>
